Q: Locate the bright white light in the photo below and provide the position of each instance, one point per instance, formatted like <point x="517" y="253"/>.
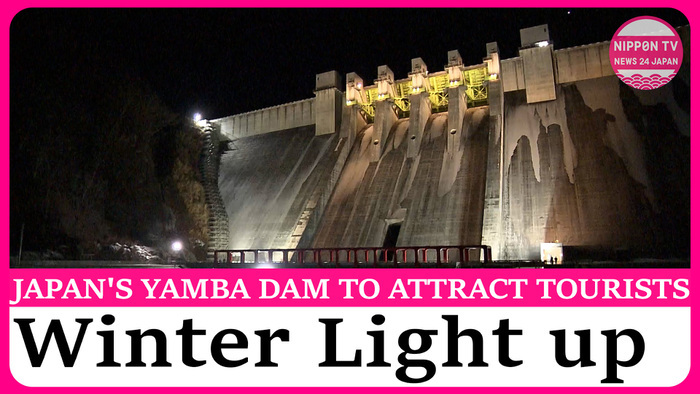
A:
<point x="359" y="86"/>
<point x="176" y="246"/>
<point x="197" y="117"/>
<point x="542" y="44"/>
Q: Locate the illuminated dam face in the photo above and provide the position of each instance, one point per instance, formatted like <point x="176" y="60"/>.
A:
<point x="545" y="147"/>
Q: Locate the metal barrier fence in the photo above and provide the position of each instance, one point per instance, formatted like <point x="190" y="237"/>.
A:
<point x="409" y="256"/>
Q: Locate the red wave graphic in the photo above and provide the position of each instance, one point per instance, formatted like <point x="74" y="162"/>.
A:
<point x="646" y="83"/>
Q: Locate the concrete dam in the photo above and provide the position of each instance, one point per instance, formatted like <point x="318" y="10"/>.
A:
<point x="546" y="147"/>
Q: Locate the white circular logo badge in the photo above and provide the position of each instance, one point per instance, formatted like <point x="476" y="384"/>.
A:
<point x="646" y="52"/>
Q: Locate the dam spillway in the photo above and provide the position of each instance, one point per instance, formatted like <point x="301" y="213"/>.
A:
<point x="433" y="198"/>
<point x="494" y="154"/>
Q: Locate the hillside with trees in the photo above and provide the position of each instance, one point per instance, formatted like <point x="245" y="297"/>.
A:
<point x="98" y="163"/>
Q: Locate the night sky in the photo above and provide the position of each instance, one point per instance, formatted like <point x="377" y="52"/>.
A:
<point x="225" y="61"/>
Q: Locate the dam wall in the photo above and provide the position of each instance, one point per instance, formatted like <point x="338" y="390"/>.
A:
<point x="433" y="198"/>
<point x="546" y="147"/>
<point x="267" y="181"/>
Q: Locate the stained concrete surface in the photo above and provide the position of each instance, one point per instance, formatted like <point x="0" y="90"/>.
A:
<point x="437" y="198"/>
<point x="265" y="182"/>
<point x="602" y="167"/>
<point x="596" y="168"/>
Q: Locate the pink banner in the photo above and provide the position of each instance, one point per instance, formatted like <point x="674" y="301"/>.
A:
<point x="349" y="287"/>
<point x="488" y="288"/>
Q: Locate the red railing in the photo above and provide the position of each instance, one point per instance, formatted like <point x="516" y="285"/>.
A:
<point x="409" y="256"/>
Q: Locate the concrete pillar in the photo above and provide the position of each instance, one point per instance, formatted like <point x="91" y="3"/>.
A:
<point x="354" y="89"/>
<point x="384" y="119"/>
<point x="495" y="87"/>
<point x="352" y="121"/>
<point x="420" y="105"/>
<point x="328" y="103"/>
<point x="493" y="58"/>
<point x="492" y="228"/>
<point x="538" y="68"/>
<point x="456" y="108"/>
<point x="384" y="115"/>
<point x="419" y="76"/>
<point x="456" y="105"/>
<point x="420" y="113"/>
<point x="385" y="83"/>
<point x="454" y="66"/>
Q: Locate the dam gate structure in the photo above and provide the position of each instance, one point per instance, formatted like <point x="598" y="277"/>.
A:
<point x="545" y="147"/>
